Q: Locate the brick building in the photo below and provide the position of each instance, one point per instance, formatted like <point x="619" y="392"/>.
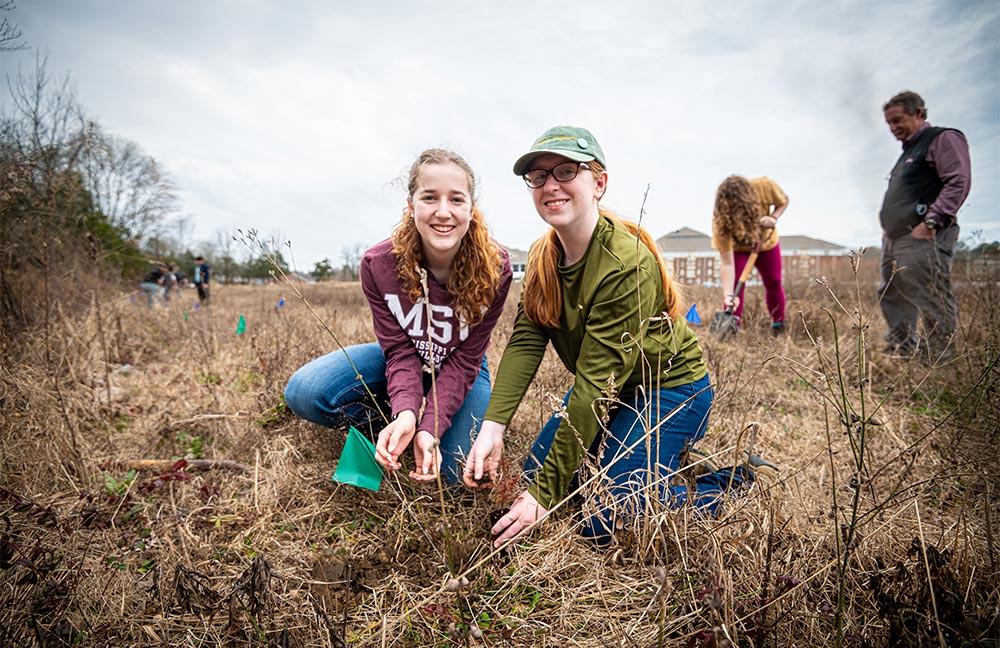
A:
<point x="689" y="254"/>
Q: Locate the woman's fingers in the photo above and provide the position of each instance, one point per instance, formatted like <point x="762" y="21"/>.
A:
<point x="478" y="469"/>
<point x="427" y="458"/>
<point x="396" y="442"/>
<point x="472" y="469"/>
<point x="513" y="529"/>
<point x="475" y="462"/>
<point x="392" y="441"/>
<point x="423" y="477"/>
<point x="517" y="520"/>
<point x="382" y="455"/>
<point x="524" y="515"/>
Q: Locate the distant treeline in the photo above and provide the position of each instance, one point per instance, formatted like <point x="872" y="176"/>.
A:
<point x="82" y="210"/>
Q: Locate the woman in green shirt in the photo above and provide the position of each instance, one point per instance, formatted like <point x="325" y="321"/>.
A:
<point x="597" y="289"/>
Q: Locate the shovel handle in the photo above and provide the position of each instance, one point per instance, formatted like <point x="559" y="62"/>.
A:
<point x="747" y="269"/>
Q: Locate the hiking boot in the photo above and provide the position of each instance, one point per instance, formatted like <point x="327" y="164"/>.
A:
<point x="936" y="355"/>
<point x="699" y="462"/>
<point x="778" y="329"/>
<point x="761" y="470"/>
<point x="900" y="352"/>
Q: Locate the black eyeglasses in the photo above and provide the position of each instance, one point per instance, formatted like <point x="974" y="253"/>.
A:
<point x="563" y="172"/>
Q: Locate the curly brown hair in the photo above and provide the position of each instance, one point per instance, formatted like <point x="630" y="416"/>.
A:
<point x="737" y="210"/>
<point x="477" y="266"/>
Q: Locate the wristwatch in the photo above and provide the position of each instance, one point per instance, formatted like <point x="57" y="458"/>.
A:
<point x="930" y="223"/>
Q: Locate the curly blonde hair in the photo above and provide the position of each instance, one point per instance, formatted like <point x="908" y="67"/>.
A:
<point x="542" y="296"/>
<point x="738" y="210"/>
<point x="477" y="266"/>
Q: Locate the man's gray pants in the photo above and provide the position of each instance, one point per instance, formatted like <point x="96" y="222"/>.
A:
<point x="916" y="282"/>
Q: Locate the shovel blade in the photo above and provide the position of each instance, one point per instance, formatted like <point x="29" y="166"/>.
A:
<point x="724" y="324"/>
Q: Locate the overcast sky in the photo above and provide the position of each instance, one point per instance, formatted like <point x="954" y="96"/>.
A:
<point x="295" y="116"/>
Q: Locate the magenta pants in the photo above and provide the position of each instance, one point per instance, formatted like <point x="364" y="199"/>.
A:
<point x="769" y="268"/>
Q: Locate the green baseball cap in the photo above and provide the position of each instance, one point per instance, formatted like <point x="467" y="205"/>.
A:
<point x="571" y="142"/>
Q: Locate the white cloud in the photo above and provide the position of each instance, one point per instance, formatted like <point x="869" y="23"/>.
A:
<point x="295" y="117"/>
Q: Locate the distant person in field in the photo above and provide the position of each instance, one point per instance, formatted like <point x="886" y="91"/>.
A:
<point x="202" y="279"/>
<point x="596" y="288"/>
<point x="919" y="217"/>
<point x="170" y="284"/>
<point x="152" y="285"/>
<point x="441" y="245"/>
<point x="746" y="213"/>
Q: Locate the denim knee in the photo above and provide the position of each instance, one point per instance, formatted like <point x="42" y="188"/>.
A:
<point x="327" y="389"/>
<point x="598" y="530"/>
<point x="457" y="439"/>
<point x="296" y="397"/>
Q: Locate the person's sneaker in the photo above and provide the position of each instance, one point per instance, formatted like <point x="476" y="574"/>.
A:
<point x="937" y="355"/>
<point x="900" y="352"/>
<point x="699" y="462"/>
<point x="904" y="349"/>
<point x="761" y="470"/>
<point x="777" y="328"/>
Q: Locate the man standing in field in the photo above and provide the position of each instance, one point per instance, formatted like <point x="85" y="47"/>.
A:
<point x="202" y="275"/>
<point x="927" y="186"/>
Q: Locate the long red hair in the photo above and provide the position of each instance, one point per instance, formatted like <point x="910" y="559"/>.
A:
<point x="542" y="296"/>
<point x="477" y="266"/>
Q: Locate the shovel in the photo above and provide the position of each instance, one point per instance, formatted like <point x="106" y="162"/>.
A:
<point x="724" y="323"/>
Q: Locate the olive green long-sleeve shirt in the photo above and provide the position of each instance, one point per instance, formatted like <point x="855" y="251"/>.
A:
<point x="612" y="325"/>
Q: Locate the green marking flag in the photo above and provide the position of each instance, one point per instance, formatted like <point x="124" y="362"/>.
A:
<point x="357" y="465"/>
<point x="185" y="314"/>
<point x="242" y="326"/>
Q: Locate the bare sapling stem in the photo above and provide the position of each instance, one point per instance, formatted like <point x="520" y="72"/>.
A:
<point x="295" y="286"/>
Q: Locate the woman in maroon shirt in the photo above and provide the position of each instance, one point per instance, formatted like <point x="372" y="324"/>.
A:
<point x="436" y="288"/>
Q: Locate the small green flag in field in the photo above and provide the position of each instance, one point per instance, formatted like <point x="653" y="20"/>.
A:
<point x="242" y="326"/>
<point x="357" y="465"/>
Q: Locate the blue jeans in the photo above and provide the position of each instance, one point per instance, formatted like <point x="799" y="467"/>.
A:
<point x="327" y="391"/>
<point x="153" y="292"/>
<point x="625" y="457"/>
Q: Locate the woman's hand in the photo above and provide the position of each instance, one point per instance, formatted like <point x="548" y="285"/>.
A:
<point x="394" y="438"/>
<point x="524" y="515"/>
<point x="768" y="222"/>
<point x="730" y="300"/>
<point x="427" y="457"/>
<point x="484" y="457"/>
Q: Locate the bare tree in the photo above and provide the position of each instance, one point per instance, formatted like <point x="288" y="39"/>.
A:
<point x="351" y="256"/>
<point x="184" y="228"/>
<point x="44" y="128"/>
<point x="224" y="244"/>
<point x="224" y="253"/>
<point x="10" y="34"/>
<point x="126" y="185"/>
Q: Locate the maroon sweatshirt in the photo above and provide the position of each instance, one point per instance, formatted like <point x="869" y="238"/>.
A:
<point x="402" y="330"/>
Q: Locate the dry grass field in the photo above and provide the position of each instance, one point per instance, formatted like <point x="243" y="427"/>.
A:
<point x="881" y="531"/>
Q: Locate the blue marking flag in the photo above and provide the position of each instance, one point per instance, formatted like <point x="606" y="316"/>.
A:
<point x="281" y="302"/>
<point x="692" y="315"/>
